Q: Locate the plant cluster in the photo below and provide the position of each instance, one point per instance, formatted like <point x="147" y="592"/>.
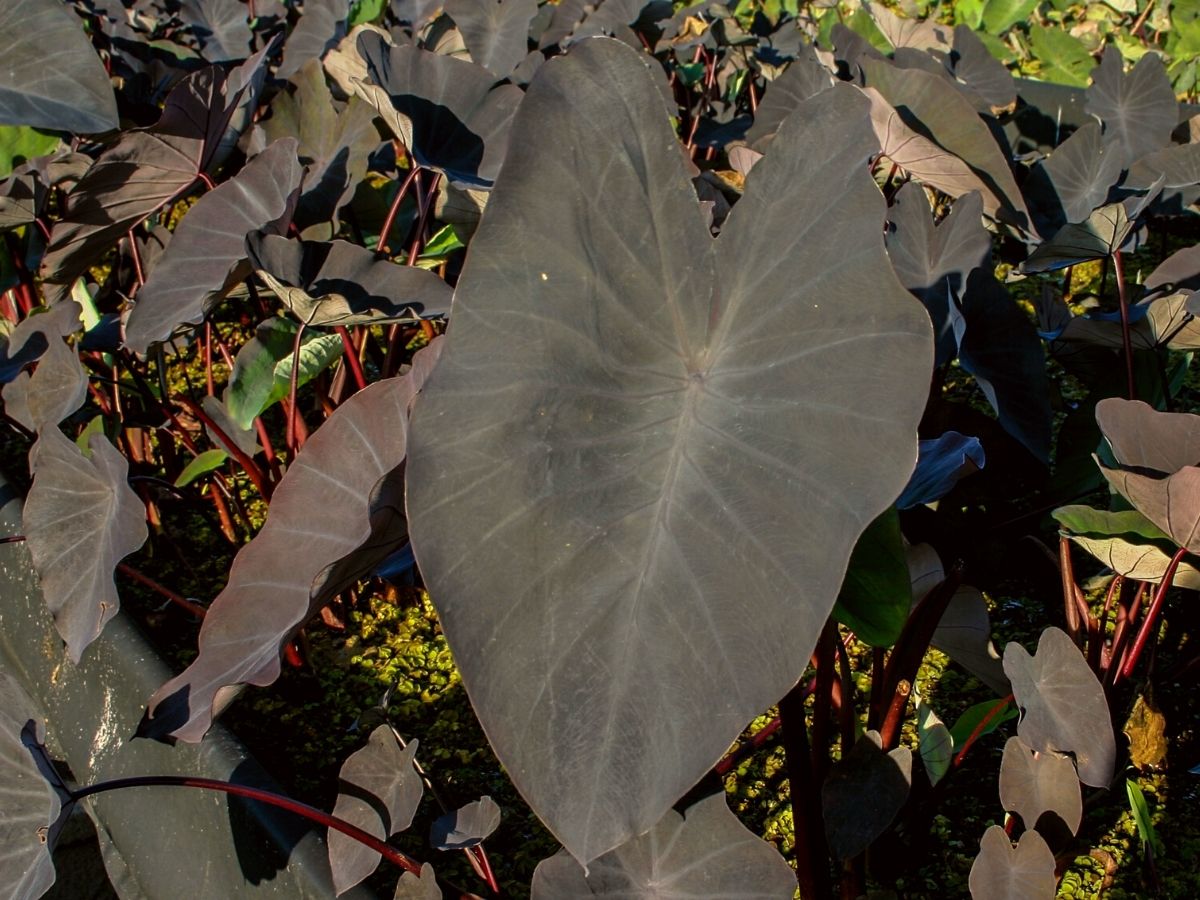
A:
<point x="693" y="358"/>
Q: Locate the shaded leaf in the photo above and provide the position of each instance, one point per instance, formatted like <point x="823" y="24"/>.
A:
<point x="705" y="853"/>
<point x="207" y="256"/>
<point x="1102" y="233"/>
<point x="1074" y="180"/>
<point x="941" y="463"/>
<point x="1139" y="110"/>
<point x="1004" y="872"/>
<point x="338" y="283"/>
<point x="1063" y="709"/>
<point x="876" y="593"/>
<point x="20" y="144"/>
<point x="290" y="569"/>
<point x="31" y="805"/>
<point x="1127" y="542"/>
<point x="466" y="827"/>
<point x="32" y="336"/>
<point x="253" y="380"/>
<point x="496" y="32"/>
<point x="1179" y="270"/>
<point x="633" y="367"/>
<point x="964" y="634"/>
<point x="52" y="77"/>
<point x="322" y="24"/>
<point x="935" y="743"/>
<point x="1035" y="783"/>
<point x="804" y="76"/>
<point x="80" y="519"/>
<point x="222" y="28"/>
<point x="379" y="791"/>
<point x="448" y="112"/>
<point x="862" y="794"/>
<point x="199" y="125"/>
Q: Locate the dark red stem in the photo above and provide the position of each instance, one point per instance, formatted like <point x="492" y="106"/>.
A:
<point x="381" y="244"/>
<point x="178" y="599"/>
<point x="1151" y="618"/>
<point x="978" y="730"/>
<point x="352" y="357"/>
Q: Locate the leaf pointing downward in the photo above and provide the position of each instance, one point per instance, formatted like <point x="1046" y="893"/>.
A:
<point x="646" y="458"/>
<point x="347" y="472"/>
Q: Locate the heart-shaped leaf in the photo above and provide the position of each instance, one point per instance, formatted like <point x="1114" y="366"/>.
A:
<point x="207" y="255"/>
<point x="1004" y="872"/>
<point x="322" y="24"/>
<point x="413" y="887"/>
<point x="964" y="634"/>
<point x="862" y="794"/>
<point x="58" y="388"/>
<point x="1035" y="783"/>
<point x="705" y="853"/>
<point x="52" y="77"/>
<point x="1074" y="180"/>
<point x="496" y="32"/>
<point x="379" y="791"/>
<point x="804" y="76"/>
<point x="1063" y="709"/>
<point x="32" y="807"/>
<point x="338" y="283"/>
<point x="1139" y="110"/>
<point x="654" y="400"/>
<point x="221" y="26"/>
<point x="466" y="827"/>
<point x="348" y="471"/>
<point x="448" y="112"/>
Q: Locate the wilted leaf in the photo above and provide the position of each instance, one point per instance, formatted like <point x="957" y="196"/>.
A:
<point x="1032" y="784"/>
<point x="1063" y="709"/>
<point x="52" y="77"/>
<point x="1004" y="872"/>
<point x="379" y="791"/>
<point x="862" y="794"/>
<point x="338" y="283"/>
<point x="207" y="255"/>
<point x="291" y="568"/>
<point x="623" y="402"/>
<point x="707" y="854"/>
<point x="1146" y="729"/>
<point x="466" y="827"/>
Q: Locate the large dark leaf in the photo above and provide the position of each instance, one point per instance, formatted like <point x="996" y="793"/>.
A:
<point x="1004" y="872"/>
<point x="347" y="472"/>
<point x="222" y="28"/>
<point x="934" y="109"/>
<point x="1035" y="783"/>
<point x="29" y="805"/>
<point x="207" y="256"/>
<point x="58" y="388"/>
<point x="379" y="791"/>
<point x="496" y="32"/>
<point x="941" y="464"/>
<point x="804" y="77"/>
<point x="338" y="283"/>
<point x="448" y="112"/>
<point x="625" y="401"/>
<point x="1063" y="709"/>
<point x="51" y="78"/>
<point x="1098" y="236"/>
<point x="467" y="827"/>
<point x="199" y="126"/>
<point x="322" y="24"/>
<point x="32" y="336"/>
<point x="863" y="793"/>
<point x="707" y="854"/>
<point x="1139" y="110"/>
<point x="1074" y="180"/>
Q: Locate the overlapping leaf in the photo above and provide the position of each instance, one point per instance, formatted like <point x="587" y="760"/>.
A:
<point x="496" y="32"/>
<point x="876" y="594"/>
<point x="465" y="827"/>
<point x="338" y="283"/>
<point x="705" y="853"/>
<point x="1098" y="236"/>
<point x="322" y="24"/>
<point x="1074" y="180"/>
<point x="52" y="78"/>
<point x="651" y="396"/>
<point x="207" y="256"/>
<point x="862" y="794"/>
<point x="1063" y="709"/>
<point x="347" y="470"/>
<point x="941" y="463"/>
<point x="448" y="112"/>
<point x="1035" y="783"/>
<point x="1004" y="872"/>
<point x="1139" y="110"/>
<point x="1127" y="542"/>
<point x="804" y="77"/>
<point x="379" y="791"/>
<point x="222" y="28"/>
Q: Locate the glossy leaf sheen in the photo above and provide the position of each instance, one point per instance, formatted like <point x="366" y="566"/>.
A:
<point x="1032" y="784"/>
<point x="293" y="566"/>
<point x="635" y="428"/>
<point x="706" y="854"/>
<point x="465" y="827"/>
<point x="206" y="256"/>
<point x="1004" y="872"/>
<point x="379" y="791"/>
<point x="52" y="77"/>
<point x="1063" y="705"/>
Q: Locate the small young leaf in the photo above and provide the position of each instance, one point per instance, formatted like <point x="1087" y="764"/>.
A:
<point x="466" y="827"/>
<point x="935" y="742"/>
<point x="412" y="887"/>
<point x="973" y="715"/>
<point x="1141" y="816"/>
<point x="205" y="462"/>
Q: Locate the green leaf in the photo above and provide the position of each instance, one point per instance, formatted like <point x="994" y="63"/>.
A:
<point x="862" y="23"/>
<point x="1141" y="817"/>
<point x="20" y="143"/>
<point x="316" y="355"/>
<point x="95" y="426"/>
<point x="1064" y="58"/>
<point x="691" y="73"/>
<point x="877" y="592"/>
<point x="969" y="721"/>
<point x="443" y="242"/>
<point x="366" y="11"/>
<point x="935" y="742"/>
<point x="205" y="462"/>
<point x="1001" y="15"/>
<point x="969" y="13"/>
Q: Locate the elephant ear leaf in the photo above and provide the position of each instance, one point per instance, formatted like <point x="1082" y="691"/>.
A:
<point x="467" y="827"/>
<point x="1138" y="109"/>
<point x="1004" y="872"/>
<point x="704" y="853"/>
<point x="52" y="77"/>
<point x="1063" y="709"/>
<point x="349" y="471"/>
<point x="633" y="366"/>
